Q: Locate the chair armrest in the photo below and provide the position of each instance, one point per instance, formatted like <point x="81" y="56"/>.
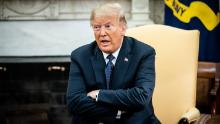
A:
<point x="215" y="88"/>
<point x="192" y="115"/>
<point x="214" y="93"/>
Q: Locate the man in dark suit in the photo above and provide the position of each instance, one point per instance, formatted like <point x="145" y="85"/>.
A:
<point x="111" y="80"/>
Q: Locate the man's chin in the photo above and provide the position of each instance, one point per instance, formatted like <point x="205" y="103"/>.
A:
<point x="106" y="50"/>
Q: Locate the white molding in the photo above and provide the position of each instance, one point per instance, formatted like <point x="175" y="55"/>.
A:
<point x="137" y="11"/>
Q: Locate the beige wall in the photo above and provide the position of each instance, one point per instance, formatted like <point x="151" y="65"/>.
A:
<point x="157" y="11"/>
<point x="138" y="12"/>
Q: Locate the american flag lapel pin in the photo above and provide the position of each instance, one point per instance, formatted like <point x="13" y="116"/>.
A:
<point x="126" y="59"/>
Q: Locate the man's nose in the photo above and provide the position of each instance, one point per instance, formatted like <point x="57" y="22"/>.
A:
<point x="102" y="31"/>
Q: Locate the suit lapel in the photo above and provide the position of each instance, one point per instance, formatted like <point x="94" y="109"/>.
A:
<point x="121" y="66"/>
<point x="98" y="64"/>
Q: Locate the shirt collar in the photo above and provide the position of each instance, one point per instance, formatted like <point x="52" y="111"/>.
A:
<point x="115" y="54"/>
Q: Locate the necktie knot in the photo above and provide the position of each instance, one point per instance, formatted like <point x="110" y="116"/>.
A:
<point x="110" y="57"/>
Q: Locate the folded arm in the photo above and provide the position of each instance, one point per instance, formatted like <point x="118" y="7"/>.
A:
<point x="79" y="103"/>
<point x="137" y="97"/>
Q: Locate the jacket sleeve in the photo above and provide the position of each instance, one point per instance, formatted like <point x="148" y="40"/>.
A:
<point x="137" y="97"/>
<point x="78" y="102"/>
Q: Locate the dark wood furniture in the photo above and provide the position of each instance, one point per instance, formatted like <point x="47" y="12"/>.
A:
<point x="214" y="120"/>
<point x="208" y="82"/>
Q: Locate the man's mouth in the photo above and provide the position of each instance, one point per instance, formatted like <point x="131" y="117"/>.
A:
<point x="105" y="42"/>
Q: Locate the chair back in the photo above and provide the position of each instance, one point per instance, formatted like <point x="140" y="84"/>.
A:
<point x="176" y="68"/>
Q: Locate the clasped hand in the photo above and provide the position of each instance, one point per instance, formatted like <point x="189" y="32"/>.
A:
<point x="93" y="94"/>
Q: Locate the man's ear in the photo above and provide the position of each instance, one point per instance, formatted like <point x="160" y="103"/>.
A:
<point x="123" y="29"/>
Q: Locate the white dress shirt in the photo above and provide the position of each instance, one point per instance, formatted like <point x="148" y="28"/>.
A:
<point x="115" y="54"/>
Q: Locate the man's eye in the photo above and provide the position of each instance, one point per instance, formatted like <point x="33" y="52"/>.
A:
<point x="96" y="27"/>
<point x="108" y="26"/>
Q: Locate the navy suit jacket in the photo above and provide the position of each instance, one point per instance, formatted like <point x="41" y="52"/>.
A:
<point x="130" y="90"/>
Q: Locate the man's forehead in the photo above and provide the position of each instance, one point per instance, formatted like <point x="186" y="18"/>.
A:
<point x="102" y="23"/>
<point x="106" y="19"/>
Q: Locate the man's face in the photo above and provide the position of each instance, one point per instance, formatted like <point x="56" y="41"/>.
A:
<point x="109" y="33"/>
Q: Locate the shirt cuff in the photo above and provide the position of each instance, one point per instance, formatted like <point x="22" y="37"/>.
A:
<point x="96" y="96"/>
<point x="118" y="115"/>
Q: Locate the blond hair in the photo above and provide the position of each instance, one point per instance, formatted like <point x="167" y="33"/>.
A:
<point x="109" y="9"/>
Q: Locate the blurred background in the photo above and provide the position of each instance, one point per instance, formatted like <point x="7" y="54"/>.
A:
<point x="37" y="37"/>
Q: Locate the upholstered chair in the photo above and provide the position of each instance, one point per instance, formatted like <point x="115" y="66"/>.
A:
<point x="176" y="60"/>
